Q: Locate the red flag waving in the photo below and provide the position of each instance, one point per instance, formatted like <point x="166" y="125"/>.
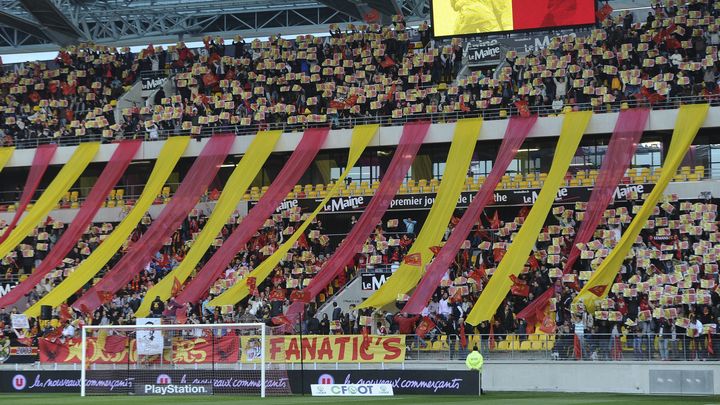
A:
<point x="300" y="295"/>
<point x="495" y="221"/>
<point x="577" y="347"/>
<point x="548" y="325"/>
<point x="115" y="344"/>
<point x="252" y="285"/>
<point x="425" y="326"/>
<point x="414" y="259"/>
<point x="52" y="352"/>
<point x="281" y="320"/>
<point x="176" y="287"/>
<point x="477" y="275"/>
<point x="710" y="348"/>
<point x="277" y="294"/>
<point x="519" y="286"/>
<point x="604" y="12"/>
<point x="65" y="313"/>
<point x="523" y="109"/>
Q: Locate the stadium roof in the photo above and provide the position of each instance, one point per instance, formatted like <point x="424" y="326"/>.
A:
<point x="45" y="25"/>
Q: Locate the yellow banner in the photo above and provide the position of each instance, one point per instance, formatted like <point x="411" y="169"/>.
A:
<point x="60" y="185"/>
<point x="5" y="155"/>
<point x="494" y="293"/>
<point x="325" y="349"/>
<point x="689" y="120"/>
<point x="406" y="277"/>
<point x="361" y="137"/>
<point x="169" y="156"/>
<point x="239" y="182"/>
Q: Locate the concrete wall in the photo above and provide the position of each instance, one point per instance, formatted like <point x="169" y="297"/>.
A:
<point x="625" y="377"/>
<point x="340" y="139"/>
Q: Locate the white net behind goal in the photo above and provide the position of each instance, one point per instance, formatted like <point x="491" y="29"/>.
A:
<point x="154" y="359"/>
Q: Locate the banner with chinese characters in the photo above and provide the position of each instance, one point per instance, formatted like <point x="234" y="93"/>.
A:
<point x="115" y="349"/>
<point x="326" y="349"/>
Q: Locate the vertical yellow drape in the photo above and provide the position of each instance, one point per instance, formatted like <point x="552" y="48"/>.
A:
<point x="406" y="277"/>
<point x="361" y="137"/>
<point x="60" y="185"/>
<point x="496" y="290"/>
<point x="5" y="155"/>
<point x="239" y="182"/>
<point x="169" y="156"/>
<point x="689" y="120"/>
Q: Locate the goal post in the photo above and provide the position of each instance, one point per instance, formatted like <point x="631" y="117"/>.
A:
<point x="190" y="359"/>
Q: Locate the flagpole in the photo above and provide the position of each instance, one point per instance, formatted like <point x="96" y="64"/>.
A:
<point x="302" y="364"/>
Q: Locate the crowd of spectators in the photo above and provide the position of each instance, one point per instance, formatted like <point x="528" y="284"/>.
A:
<point x="667" y="288"/>
<point x="363" y="72"/>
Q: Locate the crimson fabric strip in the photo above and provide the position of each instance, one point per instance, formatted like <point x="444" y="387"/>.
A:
<point x="623" y="143"/>
<point x="515" y="134"/>
<point x="310" y="144"/>
<point x="534" y="14"/>
<point x="410" y="141"/>
<point x="197" y="180"/>
<point x="43" y="155"/>
<point x="108" y="179"/>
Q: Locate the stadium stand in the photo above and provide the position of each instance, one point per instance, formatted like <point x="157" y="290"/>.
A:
<point x="663" y="304"/>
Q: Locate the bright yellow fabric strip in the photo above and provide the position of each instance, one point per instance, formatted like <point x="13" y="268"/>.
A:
<point x="60" y="185"/>
<point x="5" y="154"/>
<point x="239" y="182"/>
<point x="169" y="156"/>
<point x="361" y="137"/>
<point x="689" y="120"/>
<point x="496" y="290"/>
<point x="406" y="277"/>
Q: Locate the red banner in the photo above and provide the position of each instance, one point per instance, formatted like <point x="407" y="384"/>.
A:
<point x="115" y="349"/>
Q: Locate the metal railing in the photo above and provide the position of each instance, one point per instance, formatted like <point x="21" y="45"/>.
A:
<point x="495" y="113"/>
<point x="561" y="347"/>
<point x="556" y="348"/>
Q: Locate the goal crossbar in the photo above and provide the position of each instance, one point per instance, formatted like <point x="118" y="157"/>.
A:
<point x="83" y="363"/>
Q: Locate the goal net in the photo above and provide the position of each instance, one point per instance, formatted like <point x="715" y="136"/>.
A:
<point x="150" y="358"/>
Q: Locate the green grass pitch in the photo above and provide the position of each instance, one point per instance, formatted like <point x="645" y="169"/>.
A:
<point x="528" y="398"/>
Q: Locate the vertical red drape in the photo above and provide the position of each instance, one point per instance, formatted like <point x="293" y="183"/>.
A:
<point x="292" y="171"/>
<point x="43" y="155"/>
<point x="623" y="143"/>
<point x="412" y="137"/>
<point x="184" y="199"/>
<point x="517" y="130"/>
<point x="109" y="177"/>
